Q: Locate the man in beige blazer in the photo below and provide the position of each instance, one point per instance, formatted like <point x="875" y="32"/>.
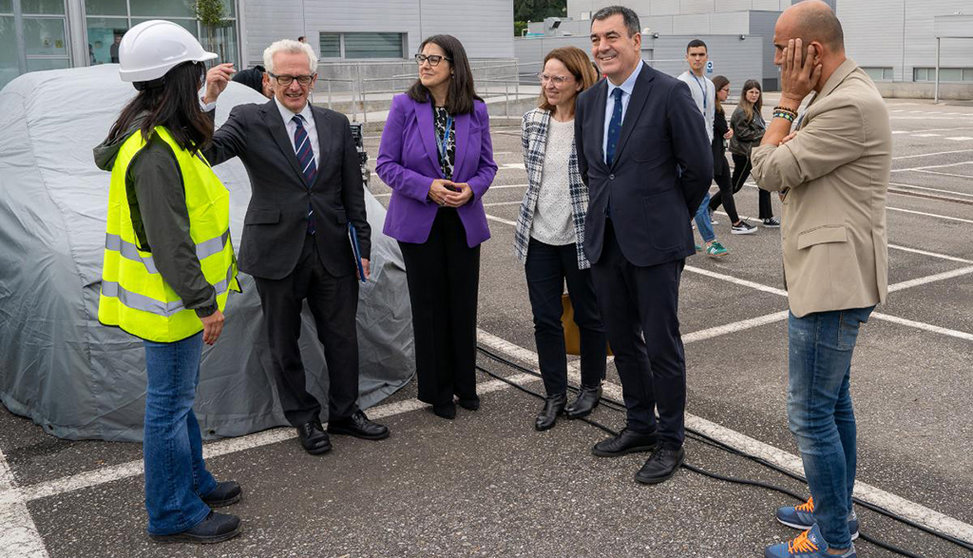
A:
<point x="832" y="175"/>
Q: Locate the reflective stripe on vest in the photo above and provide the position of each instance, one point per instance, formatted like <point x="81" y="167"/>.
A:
<point x="134" y="294"/>
<point x="130" y="251"/>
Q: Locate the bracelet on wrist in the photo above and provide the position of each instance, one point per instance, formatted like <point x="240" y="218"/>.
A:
<point x="788" y="116"/>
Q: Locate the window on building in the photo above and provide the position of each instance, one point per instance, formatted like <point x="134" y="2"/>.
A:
<point x="330" y="44"/>
<point x="879" y="74"/>
<point x="947" y="75"/>
<point x="362" y="45"/>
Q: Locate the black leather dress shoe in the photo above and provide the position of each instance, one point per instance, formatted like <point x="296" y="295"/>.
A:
<point x="627" y="441"/>
<point x="359" y="426"/>
<point x="553" y="406"/>
<point x="313" y="438"/>
<point x="217" y="527"/>
<point x="225" y="494"/>
<point x="446" y="410"/>
<point x="661" y="465"/>
<point x="469" y="403"/>
<point x="588" y="399"/>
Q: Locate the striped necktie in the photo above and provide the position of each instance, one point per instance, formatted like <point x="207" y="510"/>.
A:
<point x="305" y="156"/>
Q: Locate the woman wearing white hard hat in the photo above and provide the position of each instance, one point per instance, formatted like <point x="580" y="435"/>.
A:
<point x="168" y="269"/>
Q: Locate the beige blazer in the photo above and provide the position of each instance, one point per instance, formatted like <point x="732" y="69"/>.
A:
<point x="834" y="175"/>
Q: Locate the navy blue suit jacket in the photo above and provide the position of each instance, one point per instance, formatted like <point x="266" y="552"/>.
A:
<point x="663" y="168"/>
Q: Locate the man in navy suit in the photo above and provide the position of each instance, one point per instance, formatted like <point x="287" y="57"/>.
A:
<point x="643" y="149"/>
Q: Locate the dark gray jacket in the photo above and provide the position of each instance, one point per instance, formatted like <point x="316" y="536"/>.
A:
<point x="746" y="133"/>
<point x="157" y="200"/>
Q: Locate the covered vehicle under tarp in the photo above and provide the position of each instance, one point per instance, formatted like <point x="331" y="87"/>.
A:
<point x="80" y="379"/>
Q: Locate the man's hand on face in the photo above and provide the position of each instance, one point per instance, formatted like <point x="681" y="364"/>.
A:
<point x="799" y="74"/>
<point x="217" y="79"/>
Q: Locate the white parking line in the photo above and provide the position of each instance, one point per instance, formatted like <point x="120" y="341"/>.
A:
<point x="931" y="279"/>
<point x="931" y="254"/>
<point x="946" y="217"/>
<point x="792" y="463"/>
<point x="913" y="186"/>
<point x="899" y="158"/>
<point x="18" y="536"/>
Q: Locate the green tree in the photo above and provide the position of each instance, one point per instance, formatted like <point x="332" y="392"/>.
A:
<point x="536" y="10"/>
<point x="210" y="14"/>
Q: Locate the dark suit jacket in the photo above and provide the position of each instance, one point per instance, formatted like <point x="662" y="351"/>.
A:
<point x="662" y="169"/>
<point x="276" y="221"/>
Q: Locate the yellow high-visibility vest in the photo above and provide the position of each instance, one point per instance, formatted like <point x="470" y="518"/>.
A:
<point x="134" y="295"/>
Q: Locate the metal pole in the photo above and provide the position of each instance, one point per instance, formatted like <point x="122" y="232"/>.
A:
<point x="329" y="94"/>
<point x="939" y="41"/>
<point x="506" y="96"/>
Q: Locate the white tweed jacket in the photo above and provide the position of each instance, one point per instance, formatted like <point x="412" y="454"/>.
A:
<point x="534" y="138"/>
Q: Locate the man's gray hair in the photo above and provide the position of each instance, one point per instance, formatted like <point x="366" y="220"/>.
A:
<point x="629" y="15"/>
<point x="289" y="46"/>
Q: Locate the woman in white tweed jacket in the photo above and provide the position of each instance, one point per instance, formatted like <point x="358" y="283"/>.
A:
<point x="550" y="233"/>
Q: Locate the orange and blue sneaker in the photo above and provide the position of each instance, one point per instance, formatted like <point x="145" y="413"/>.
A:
<point x="802" y="517"/>
<point x="809" y="544"/>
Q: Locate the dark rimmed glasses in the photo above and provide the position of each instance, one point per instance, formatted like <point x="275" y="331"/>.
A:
<point x="286" y="80"/>
<point x="433" y="59"/>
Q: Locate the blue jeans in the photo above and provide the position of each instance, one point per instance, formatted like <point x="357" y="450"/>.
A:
<point x="820" y="412"/>
<point x="703" y="222"/>
<point x="175" y="475"/>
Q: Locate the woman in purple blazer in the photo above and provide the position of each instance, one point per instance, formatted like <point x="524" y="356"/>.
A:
<point x="437" y="157"/>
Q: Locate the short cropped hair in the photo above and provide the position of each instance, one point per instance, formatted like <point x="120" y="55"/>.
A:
<point x="696" y="43"/>
<point x="289" y="46"/>
<point x="629" y="15"/>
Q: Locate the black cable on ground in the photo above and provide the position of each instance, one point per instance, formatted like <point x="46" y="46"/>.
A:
<point x="703" y="438"/>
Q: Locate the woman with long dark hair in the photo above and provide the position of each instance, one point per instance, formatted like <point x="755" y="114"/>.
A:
<point x="721" y="169"/>
<point x="168" y="269"/>
<point x="550" y="233"/>
<point x="748" y="129"/>
<point x="437" y="156"/>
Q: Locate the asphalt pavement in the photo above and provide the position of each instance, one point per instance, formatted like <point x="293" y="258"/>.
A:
<point x="487" y="484"/>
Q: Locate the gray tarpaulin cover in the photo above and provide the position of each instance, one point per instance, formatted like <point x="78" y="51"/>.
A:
<point x="80" y="379"/>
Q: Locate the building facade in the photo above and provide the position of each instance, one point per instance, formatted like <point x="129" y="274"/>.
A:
<point x="50" y="34"/>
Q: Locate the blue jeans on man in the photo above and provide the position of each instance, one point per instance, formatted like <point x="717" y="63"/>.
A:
<point x="175" y="474"/>
<point x="703" y="222"/>
<point x="820" y="413"/>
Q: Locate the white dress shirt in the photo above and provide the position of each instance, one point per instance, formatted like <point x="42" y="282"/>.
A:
<point x="627" y="86"/>
<point x="309" y="127"/>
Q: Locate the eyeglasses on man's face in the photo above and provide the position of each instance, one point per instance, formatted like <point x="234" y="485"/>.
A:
<point x="556" y="80"/>
<point x="304" y="81"/>
<point x="433" y="59"/>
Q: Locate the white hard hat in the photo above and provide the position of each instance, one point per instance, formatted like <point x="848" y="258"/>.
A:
<point x="152" y="48"/>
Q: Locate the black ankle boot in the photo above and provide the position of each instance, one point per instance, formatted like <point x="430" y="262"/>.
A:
<point x="553" y="406"/>
<point x="587" y="400"/>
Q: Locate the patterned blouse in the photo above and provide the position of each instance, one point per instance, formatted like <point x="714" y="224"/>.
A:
<point x="445" y="163"/>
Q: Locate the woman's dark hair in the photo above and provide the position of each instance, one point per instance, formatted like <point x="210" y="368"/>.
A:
<point x="743" y="103"/>
<point x="719" y="82"/>
<point x="461" y="93"/>
<point x="173" y="104"/>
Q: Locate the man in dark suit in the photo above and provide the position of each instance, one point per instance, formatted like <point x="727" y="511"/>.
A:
<point x="306" y="188"/>
<point x="643" y="149"/>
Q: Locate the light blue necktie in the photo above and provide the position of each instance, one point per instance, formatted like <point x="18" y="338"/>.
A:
<point x="305" y="156"/>
<point x="614" y="127"/>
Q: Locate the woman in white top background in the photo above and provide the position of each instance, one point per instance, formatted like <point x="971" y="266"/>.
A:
<point x="550" y="233"/>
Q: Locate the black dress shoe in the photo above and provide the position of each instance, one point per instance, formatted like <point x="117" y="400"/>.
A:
<point x="217" y="527"/>
<point x="627" y="441"/>
<point x="588" y="399"/>
<point x="553" y="406"/>
<point x="359" y="426"/>
<point x="469" y="403"/>
<point x="225" y="494"/>
<point x="446" y="410"/>
<point x="661" y="465"/>
<point x="313" y="438"/>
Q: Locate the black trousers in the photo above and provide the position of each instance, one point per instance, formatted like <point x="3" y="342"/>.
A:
<point x="640" y="308"/>
<point x="741" y="171"/>
<point x="547" y="269"/>
<point x="334" y="303"/>
<point x="444" y="275"/>
<point x="721" y="174"/>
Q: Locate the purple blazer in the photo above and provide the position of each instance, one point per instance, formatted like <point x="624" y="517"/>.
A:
<point x="408" y="162"/>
